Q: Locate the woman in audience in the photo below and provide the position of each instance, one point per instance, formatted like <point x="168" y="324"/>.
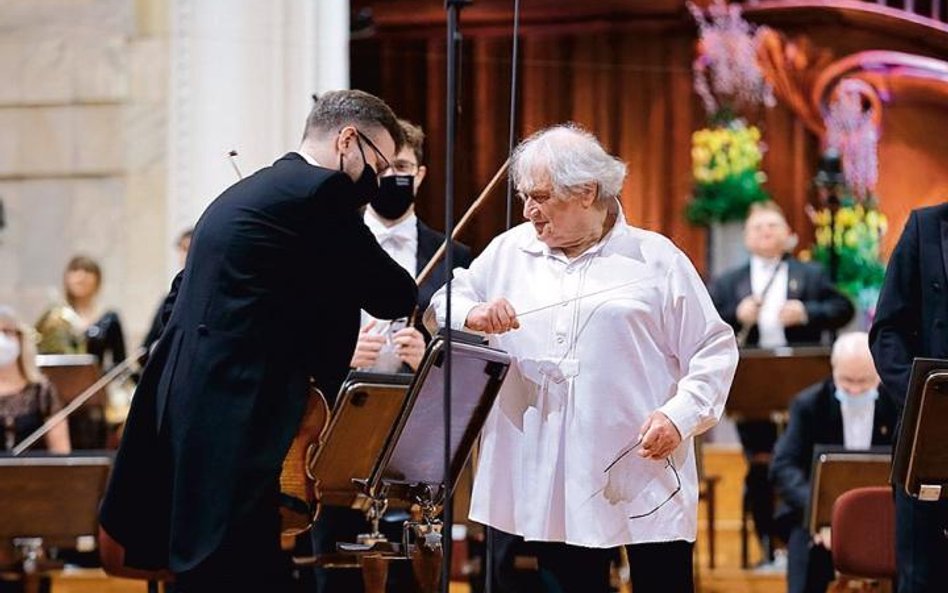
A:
<point x="27" y="400"/>
<point x="79" y="325"/>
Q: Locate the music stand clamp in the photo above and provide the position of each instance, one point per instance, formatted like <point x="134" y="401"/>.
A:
<point x="920" y="466"/>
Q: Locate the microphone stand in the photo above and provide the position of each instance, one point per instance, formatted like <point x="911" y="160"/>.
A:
<point x="453" y="8"/>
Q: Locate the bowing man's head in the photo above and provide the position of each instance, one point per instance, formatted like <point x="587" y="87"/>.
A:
<point x="351" y="129"/>
<point x="568" y="184"/>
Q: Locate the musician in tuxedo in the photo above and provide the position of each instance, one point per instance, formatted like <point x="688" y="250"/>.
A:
<point x="774" y="300"/>
<point x="410" y="242"/>
<point x="846" y="410"/>
<point x="912" y="321"/>
<point x="391" y="218"/>
<point x="280" y="256"/>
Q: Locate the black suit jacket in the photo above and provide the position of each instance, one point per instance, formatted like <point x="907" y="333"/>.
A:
<point x="277" y="256"/>
<point x="429" y="241"/>
<point x="912" y="311"/>
<point x="826" y="307"/>
<point x="816" y="418"/>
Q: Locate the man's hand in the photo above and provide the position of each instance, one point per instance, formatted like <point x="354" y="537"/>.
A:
<point x="409" y="346"/>
<point x="660" y="436"/>
<point x="495" y="317"/>
<point x="748" y="311"/>
<point x="793" y="313"/>
<point x="367" y="348"/>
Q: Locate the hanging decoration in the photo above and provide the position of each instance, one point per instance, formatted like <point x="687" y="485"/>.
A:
<point x="727" y="154"/>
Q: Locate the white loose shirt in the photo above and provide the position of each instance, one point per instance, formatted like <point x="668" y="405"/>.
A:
<point x="771" y="329"/>
<point x="585" y="376"/>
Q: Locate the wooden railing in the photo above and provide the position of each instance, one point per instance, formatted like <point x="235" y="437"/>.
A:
<point x="936" y="10"/>
<point x="933" y="9"/>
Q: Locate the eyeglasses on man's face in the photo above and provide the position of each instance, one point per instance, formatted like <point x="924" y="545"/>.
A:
<point x="382" y="163"/>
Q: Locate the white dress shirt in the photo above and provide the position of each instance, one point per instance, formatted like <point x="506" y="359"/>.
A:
<point x="768" y="321"/>
<point x="400" y="242"/>
<point x="585" y="376"/>
<point x="858" y="416"/>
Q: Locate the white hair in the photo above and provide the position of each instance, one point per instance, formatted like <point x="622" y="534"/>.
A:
<point x="850" y="344"/>
<point x="568" y="157"/>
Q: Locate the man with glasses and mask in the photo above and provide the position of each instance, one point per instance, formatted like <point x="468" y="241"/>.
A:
<point x="281" y="256"/>
<point x="391" y="218"/>
<point x="619" y="360"/>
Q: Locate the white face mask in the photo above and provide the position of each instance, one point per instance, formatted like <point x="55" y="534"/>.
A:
<point x="9" y="350"/>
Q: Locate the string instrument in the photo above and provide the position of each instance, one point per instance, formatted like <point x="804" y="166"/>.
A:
<point x="298" y="505"/>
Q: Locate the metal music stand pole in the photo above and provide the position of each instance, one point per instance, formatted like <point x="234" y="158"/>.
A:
<point x="453" y="8"/>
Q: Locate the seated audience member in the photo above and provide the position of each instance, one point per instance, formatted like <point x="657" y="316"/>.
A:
<point x="773" y="301"/>
<point x="845" y="409"/>
<point x="27" y="399"/>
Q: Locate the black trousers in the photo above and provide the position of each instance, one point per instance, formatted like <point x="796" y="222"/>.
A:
<point x="655" y="568"/>
<point x="248" y="559"/>
<point x="921" y="544"/>
<point x="810" y="566"/>
<point x="758" y="438"/>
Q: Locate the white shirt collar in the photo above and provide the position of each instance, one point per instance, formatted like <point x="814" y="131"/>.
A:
<point x="405" y="228"/>
<point x="308" y="158"/>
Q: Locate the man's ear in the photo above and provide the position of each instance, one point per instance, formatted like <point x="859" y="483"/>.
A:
<point x="420" y="176"/>
<point x="346" y="137"/>
<point x="589" y="198"/>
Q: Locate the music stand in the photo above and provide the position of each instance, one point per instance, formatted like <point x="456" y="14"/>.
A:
<point x="921" y="455"/>
<point x="836" y="471"/>
<point x="71" y="374"/>
<point x="383" y="447"/>
<point x="50" y="501"/>
<point x="365" y="413"/>
<point x="411" y="463"/>
<point x="767" y="380"/>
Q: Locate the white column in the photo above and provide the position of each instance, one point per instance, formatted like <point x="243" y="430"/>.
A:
<point x="242" y="76"/>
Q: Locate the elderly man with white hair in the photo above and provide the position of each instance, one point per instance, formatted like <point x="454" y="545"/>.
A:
<point x="619" y="360"/>
<point x="845" y="409"/>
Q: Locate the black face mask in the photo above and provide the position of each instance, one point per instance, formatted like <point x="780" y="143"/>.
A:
<point x="395" y="196"/>
<point x="367" y="185"/>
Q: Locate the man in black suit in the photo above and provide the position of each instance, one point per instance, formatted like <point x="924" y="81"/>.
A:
<point x="773" y="301"/>
<point x="279" y="257"/>
<point x="843" y="410"/>
<point x="391" y="218"/>
<point x="912" y="321"/>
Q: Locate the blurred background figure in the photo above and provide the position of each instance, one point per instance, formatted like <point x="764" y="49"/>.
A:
<point x="78" y="325"/>
<point x="27" y="399"/>
<point x="774" y="301"/>
<point x="846" y="410"/>
<point x="157" y="323"/>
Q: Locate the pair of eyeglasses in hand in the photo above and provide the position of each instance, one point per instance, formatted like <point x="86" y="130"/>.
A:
<point x="669" y="465"/>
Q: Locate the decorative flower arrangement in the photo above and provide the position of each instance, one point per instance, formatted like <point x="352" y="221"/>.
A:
<point x="726" y="169"/>
<point x="726" y="156"/>
<point x="857" y="237"/>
